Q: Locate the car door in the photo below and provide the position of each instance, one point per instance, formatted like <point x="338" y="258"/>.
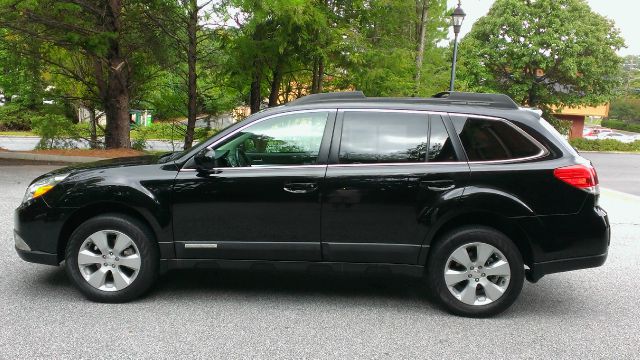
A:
<point x="263" y="203"/>
<point x="389" y="172"/>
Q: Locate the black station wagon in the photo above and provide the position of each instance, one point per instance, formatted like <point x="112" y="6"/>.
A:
<point x="467" y="190"/>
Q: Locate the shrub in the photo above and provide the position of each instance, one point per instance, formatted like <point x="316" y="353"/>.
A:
<point x="621" y="125"/>
<point x="139" y="136"/>
<point x="14" y="118"/>
<point x="55" y="131"/>
<point x="604" y="145"/>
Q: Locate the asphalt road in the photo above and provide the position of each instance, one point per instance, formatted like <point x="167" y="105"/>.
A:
<point x="196" y="314"/>
<point x="617" y="171"/>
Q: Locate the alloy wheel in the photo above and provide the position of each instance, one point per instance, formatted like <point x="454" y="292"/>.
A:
<point x="109" y="260"/>
<point x="477" y="273"/>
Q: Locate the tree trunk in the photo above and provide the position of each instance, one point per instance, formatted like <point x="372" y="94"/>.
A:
<point x="275" y="84"/>
<point x="255" y="97"/>
<point x="314" y="80"/>
<point x="320" y="75"/>
<point x="93" y="142"/>
<point x="422" y="27"/>
<point x="117" y="97"/>
<point x="192" y="56"/>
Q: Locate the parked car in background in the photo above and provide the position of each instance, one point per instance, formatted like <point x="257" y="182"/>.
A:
<point x="593" y="132"/>
<point x="617" y="136"/>
<point x="460" y="190"/>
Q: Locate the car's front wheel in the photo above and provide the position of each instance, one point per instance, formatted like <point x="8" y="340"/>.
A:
<point x="476" y="271"/>
<point x="112" y="258"/>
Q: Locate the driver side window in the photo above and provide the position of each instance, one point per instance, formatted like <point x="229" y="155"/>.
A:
<point x="291" y="139"/>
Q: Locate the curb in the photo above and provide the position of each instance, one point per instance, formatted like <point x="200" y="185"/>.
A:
<point x="45" y="157"/>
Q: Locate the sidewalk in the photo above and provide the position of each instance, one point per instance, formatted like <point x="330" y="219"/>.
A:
<point x="47" y="158"/>
<point x="28" y="143"/>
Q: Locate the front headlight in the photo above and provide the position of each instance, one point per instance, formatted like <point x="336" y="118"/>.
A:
<point x="43" y="186"/>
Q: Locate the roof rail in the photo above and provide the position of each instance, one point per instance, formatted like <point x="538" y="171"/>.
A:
<point x="333" y="96"/>
<point x="479" y="99"/>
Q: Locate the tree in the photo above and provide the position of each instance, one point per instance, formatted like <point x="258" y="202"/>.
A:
<point x="183" y="23"/>
<point x="103" y="32"/>
<point x="543" y="53"/>
<point x="396" y="45"/>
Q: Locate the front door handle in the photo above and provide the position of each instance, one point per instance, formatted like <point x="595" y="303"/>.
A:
<point x="300" y="188"/>
<point x="438" y="185"/>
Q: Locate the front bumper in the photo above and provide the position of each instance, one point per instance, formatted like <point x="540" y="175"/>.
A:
<point x="38" y="257"/>
<point x="36" y="232"/>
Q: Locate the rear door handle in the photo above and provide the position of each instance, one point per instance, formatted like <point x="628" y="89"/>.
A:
<point x="300" y="188"/>
<point x="438" y="185"/>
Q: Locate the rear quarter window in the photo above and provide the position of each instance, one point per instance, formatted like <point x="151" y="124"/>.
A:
<point x="494" y="140"/>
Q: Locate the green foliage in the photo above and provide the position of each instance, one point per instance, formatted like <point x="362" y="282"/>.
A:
<point x="55" y="131"/>
<point x="622" y="125"/>
<point x="574" y="47"/>
<point x="563" y="126"/>
<point x="167" y="131"/>
<point x="604" y="145"/>
<point x="626" y="108"/>
<point x="139" y="138"/>
<point x="15" y="118"/>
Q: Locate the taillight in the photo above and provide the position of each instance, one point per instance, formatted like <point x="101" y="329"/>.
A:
<point x="580" y="176"/>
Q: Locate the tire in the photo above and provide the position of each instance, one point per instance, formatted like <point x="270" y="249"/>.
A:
<point x="486" y="290"/>
<point x="100" y="265"/>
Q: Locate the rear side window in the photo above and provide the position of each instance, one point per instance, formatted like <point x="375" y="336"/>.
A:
<point x="383" y="137"/>
<point x="491" y="140"/>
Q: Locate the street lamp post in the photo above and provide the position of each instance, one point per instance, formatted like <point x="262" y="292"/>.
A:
<point x="457" y="17"/>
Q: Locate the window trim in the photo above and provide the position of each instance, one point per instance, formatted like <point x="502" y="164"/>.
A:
<point x="542" y="153"/>
<point x="330" y="123"/>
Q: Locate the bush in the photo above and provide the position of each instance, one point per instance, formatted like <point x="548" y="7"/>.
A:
<point x="604" y="145"/>
<point x="14" y="118"/>
<point x="621" y="125"/>
<point x="139" y="136"/>
<point x="55" y="131"/>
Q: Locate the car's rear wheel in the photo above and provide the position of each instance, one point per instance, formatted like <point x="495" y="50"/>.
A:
<point x="112" y="258"/>
<point x="476" y="271"/>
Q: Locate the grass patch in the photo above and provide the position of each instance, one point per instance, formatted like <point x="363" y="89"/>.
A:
<point x="17" y="133"/>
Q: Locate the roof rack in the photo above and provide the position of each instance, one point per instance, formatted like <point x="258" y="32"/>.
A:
<point x="333" y="96"/>
<point x="444" y="98"/>
<point x="478" y="99"/>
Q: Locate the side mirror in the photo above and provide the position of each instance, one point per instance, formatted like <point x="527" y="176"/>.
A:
<point x="209" y="159"/>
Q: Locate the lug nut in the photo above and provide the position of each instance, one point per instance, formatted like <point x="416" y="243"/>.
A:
<point x="110" y="253"/>
<point x="483" y="274"/>
<point x="477" y="279"/>
<point x="105" y="264"/>
<point x="471" y="268"/>
<point x="470" y="275"/>
<point x="113" y="265"/>
<point x="479" y="267"/>
<point x="104" y="256"/>
<point x="117" y="259"/>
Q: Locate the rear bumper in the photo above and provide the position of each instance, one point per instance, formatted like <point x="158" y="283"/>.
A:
<point x="538" y="270"/>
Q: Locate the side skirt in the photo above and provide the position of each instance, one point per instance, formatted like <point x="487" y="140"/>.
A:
<point x="376" y="269"/>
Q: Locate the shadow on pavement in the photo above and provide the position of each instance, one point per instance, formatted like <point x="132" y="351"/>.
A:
<point x="543" y="298"/>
